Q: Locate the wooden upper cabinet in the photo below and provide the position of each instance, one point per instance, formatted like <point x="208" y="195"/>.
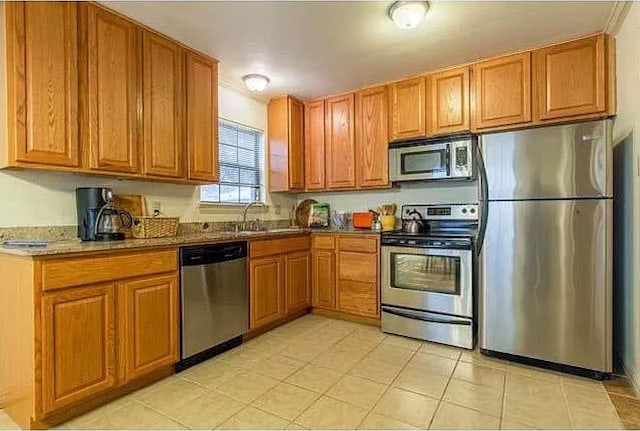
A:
<point x="408" y="109"/>
<point x="78" y="344"/>
<point x="298" y="275"/>
<point x="340" y="142"/>
<point x="163" y="106"/>
<point x="570" y="78"/>
<point x="149" y="322"/>
<point x="42" y="82"/>
<point x="111" y="55"/>
<point x="286" y="144"/>
<point x="372" y="137"/>
<point x="448" y="97"/>
<point x="314" y="145"/>
<point x="202" y="117"/>
<point x="502" y="90"/>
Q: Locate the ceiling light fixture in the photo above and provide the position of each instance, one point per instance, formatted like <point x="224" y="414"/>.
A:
<point x="255" y="81"/>
<point x="408" y="14"/>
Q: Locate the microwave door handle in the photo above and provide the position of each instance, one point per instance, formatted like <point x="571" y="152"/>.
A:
<point x="408" y="315"/>
<point x="448" y="159"/>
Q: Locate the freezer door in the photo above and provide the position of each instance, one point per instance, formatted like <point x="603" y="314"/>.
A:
<point x="556" y="162"/>
<point x="545" y="281"/>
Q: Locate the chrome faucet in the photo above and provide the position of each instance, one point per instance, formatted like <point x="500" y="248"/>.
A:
<point x="244" y="213"/>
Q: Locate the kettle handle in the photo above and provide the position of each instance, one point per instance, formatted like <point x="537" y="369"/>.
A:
<point x="126" y="219"/>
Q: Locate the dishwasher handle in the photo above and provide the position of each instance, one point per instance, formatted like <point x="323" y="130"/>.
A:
<point x="203" y="255"/>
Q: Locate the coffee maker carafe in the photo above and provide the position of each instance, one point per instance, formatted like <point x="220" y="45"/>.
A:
<point x="98" y="219"/>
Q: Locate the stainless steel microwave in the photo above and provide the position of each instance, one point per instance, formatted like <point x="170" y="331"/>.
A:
<point x="434" y="159"/>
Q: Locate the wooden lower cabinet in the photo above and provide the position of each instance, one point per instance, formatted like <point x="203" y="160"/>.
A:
<point x="357" y="282"/>
<point x="78" y="344"/>
<point x="345" y="274"/>
<point x="279" y="279"/>
<point x="358" y="297"/>
<point x="266" y="290"/>
<point x="323" y="281"/>
<point x="149" y="321"/>
<point x="81" y="337"/>
<point x="298" y="273"/>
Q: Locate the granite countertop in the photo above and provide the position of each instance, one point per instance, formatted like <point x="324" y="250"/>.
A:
<point x="75" y="246"/>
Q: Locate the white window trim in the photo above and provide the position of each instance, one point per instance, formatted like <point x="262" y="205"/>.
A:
<point x="261" y="205"/>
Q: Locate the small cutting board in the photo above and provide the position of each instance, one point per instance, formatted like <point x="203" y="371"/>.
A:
<point x="133" y="204"/>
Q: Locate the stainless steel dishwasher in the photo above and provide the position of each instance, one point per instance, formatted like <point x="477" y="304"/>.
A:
<point x="214" y="300"/>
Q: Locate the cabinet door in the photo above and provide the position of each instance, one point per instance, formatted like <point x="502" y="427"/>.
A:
<point x="569" y="78"/>
<point x="340" y="144"/>
<point x="285" y="144"/>
<point x="408" y="109"/>
<point x="148" y="317"/>
<point x="296" y="144"/>
<point x="42" y="76"/>
<point x="111" y="90"/>
<point x="502" y="89"/>
<point x="266" y="291"/>
<point x="357" y="285"/>
<point x="298" y="274"/>
<point x="448" y="102"/>
<point x="163" y="107"/>
<point x="372" y="137"/>
<point x="202" y="117"/>
<point x="323" y="280"/>
<point x="314" y="145"/>
<point x="78" y="348"/>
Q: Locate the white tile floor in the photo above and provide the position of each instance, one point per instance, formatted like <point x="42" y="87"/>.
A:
<point x="320" y="373"/>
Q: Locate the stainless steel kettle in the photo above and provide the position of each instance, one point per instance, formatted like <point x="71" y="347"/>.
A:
<point x="413" y="225"/>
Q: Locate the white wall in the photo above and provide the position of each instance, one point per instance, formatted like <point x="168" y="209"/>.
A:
<point x="627" y="196"/>
<point x="38" y="198"/>
<point x="418" y="193"/>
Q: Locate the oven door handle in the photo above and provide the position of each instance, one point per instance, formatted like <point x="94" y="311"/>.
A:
<point x="414" y="316"/>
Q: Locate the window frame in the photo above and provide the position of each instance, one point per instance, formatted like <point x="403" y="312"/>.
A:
<point x="261" y="170"/>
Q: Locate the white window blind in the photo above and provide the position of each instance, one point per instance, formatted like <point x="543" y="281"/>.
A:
<point x="241" y="164"/>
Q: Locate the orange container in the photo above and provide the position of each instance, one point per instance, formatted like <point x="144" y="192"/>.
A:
<point x="362" y="220"/>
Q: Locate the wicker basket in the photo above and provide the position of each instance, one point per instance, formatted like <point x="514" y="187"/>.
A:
<point x="155" y="227"/>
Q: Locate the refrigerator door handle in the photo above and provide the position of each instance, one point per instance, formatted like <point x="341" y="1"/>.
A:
<point x="483" y="197"/>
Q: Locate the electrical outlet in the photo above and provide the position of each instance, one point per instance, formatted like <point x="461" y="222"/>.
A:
<point x="278" y="209"/>
<point x="155" y="207"/>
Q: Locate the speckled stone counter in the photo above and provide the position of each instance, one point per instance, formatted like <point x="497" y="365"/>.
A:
<point x="75" y="246"/>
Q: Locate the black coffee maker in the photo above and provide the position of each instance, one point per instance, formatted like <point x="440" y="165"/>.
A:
<point x="98" y="219"/>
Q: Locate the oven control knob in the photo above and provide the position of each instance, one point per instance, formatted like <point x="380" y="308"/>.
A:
<point x="464" y="210"/>
<point x="472" y="210"/>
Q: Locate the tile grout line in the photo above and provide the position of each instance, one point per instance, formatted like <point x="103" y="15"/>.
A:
<point x="446" y="386"/>
<point x="503" y="406"/>
<point x="327" y="390"/>
<point x="390" y="386"/>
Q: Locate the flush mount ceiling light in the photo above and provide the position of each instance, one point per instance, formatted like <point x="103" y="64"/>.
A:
<point x="408" y="14"/>
<point x="255" y="81"/>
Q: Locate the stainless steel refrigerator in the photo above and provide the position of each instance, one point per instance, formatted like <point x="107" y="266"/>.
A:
<point x="546" y="245"/>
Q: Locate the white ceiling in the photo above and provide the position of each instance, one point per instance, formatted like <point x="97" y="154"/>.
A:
<point x="316" y="48"/>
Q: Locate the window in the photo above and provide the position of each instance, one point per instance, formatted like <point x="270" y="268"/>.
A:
<point x="241" y="164"/>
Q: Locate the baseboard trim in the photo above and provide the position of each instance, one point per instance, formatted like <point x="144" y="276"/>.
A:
<point x="346" y="316"/>
<point x="628" y="373"/>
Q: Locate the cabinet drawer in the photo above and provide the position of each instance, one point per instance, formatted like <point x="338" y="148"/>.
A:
<point x="358" y="243"/>
<point x="357" y="266"/>
<point x="358" y="297"/>
<point x="268" y="247"/>
<point x="76" y="271"/>
<point x="327" y="242"/>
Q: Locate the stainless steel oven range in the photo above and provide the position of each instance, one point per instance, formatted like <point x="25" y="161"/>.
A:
<point x="428" y="276"/>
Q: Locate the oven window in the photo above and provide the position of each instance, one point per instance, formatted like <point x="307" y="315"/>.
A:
<point x="422" y="162"/>
<point x="426" y="273"/>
